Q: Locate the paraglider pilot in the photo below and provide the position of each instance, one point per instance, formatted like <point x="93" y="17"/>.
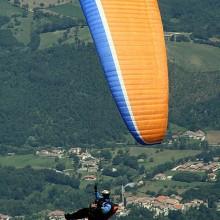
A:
<point x="101" y="209"/>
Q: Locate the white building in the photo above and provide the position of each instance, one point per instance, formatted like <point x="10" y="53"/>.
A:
<point x="160" y="176"/>
<point x="75" y="150"/>
<point x="198" y="135"/>
<point x="56" y="215"/>
<point x="53" y="152"/>
<point x="4" y="217"/>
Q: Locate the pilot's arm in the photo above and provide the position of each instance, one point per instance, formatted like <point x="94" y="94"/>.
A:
<point x="106" y="207"/>
<point x="98" y="196"/>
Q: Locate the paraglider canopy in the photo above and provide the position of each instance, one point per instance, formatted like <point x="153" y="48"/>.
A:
<point x="130" y="42"/>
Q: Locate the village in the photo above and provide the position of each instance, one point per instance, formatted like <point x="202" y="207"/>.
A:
<point x="87" y="163"/>
<point x="163" y="204"/>
<point x="198" y="136"/>
<point x="210" y="168"/>
<point x="89" y="166"/>
<point x="160" y="204"/>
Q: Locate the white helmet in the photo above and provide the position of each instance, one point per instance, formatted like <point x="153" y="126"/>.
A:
<point x="105" y="192"/>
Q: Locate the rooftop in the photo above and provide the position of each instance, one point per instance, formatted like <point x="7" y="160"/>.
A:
<point x="56" y="213"/>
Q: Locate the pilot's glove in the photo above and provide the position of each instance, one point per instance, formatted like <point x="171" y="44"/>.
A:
<point x="67" y="216"/>
<point x="95" y="188"/>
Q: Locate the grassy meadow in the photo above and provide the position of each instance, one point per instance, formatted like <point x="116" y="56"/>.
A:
<point x="23" y="31"/>
<point x="49" y="39"/>
<point x="165" y="185"/>
<point x="69" y="10"/>
<point x="194" y="57"/>
<point x="213" y="137"/>
<point x="161" y="156"/>
<point x="6" y="9"/>
<point x="37" y="162"/>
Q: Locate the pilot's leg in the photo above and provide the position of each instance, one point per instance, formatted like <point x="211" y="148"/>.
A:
<point x="82" y="213"/>
<point x="95" y="214"/>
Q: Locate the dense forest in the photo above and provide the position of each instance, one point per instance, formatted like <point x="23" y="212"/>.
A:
<point x="27" y="191"/>
<point x="198" y="17"/>
<point x="57" y="97"/>
<point x="39" y="190"/>
<point x="194" y="98"/>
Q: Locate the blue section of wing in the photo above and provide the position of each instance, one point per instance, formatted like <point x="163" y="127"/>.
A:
<point x="96" y="27"/>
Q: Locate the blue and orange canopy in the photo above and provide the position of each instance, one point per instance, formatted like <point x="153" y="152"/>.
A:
<point x="130" y="42"/>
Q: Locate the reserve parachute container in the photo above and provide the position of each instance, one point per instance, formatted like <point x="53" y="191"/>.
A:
<point x="129" y="38"/>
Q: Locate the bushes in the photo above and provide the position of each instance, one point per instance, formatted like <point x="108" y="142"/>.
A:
<point x="7" y="40"/>
<point x="35" y="41"/>
<point x="60" y="24"/>
<point x="56" y="94"/>
<point x="198" y="17"/>
<point x="19" y="183"/>
<point x="59" y="178"/>
<point x="190" y="177"/>
<point x="27" y="191"/>
<point x="126" y="160"/>
<point x="4" y="20"/>
<point x="200" y="110"/>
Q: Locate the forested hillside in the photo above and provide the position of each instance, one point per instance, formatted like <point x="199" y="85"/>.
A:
<point x="27" y="191"/>
<point x="194" y="98"/>
<point x="57" y="97"/>
<point x="52" y="89"/>
<point x="199" y="17"/>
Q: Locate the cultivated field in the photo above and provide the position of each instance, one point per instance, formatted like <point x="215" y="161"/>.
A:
<point x="23" y="32"/>
<point x="52" y="38"/>
<point x="166" y="185"/>
<point x="70" y="10"/>
<point x="194" y="57"/>
<point x="213" y="137"/>
<point x="7" y="9"/>
<point x="49" y="39"/>
<point x="37" y="162"/>
<point x="40" y="3"/>
<point x="160" y="157"/>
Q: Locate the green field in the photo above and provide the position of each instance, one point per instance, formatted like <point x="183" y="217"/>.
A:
<point x="23" y="32"/>
<point x="160" y="157"/>
<point x="166" y="185"/>
<point x="7" y="9"/>
<point x="213" y="137"/>
<point x="84" y="34"/>
<point x="70" y="10"/>
<point x="37" y="162"/>
<point x="49" y="39"/>
<point x="194" y="57"/>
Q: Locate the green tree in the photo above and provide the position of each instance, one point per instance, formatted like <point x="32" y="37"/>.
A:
<point x="60" y="166"/>
<point x="106" y="154"/>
